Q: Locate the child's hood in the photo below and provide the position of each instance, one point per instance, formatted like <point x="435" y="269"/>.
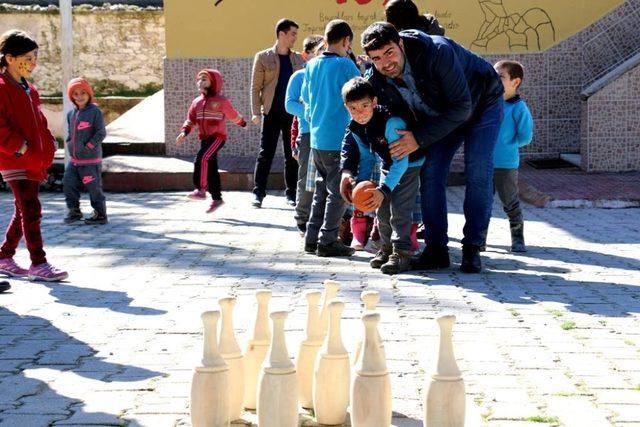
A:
<point x="216" y="79"/>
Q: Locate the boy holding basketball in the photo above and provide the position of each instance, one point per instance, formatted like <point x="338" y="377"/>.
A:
<point x="371" y="131"/>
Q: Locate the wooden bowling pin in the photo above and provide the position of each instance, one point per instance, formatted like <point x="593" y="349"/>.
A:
<point x="331" y="288"/>
<point x="230" y="352"/>
<point x="370" y="299"/>
<point x="308" y="350"/>
<point x="278" y="385"/>
<point x="257" y="348"/>
<point x="371" y="388"/>
<point x="445" y="394"/>
<point x="209" y="387"/>
<point x="331" y="374"/>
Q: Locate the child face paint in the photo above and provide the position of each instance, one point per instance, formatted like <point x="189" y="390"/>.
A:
<point x="203" y="83"/>
<point x="80" y="97"/>
<point x="23" y="65"/>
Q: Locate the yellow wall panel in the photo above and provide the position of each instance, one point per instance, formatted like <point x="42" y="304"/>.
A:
<point x="239" y="28"/>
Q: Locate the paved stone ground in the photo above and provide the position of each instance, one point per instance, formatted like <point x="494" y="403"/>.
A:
<point x="551" y="337"/>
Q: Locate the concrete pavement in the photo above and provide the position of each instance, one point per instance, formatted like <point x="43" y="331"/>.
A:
<point x="550" y="337"/>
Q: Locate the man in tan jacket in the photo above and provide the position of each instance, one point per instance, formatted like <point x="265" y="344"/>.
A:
<point x="271" y="71"/>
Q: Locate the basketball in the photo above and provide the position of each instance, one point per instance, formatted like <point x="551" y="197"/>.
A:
<point x="359" y="195"/>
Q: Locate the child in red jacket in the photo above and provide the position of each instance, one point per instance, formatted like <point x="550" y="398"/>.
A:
<point x="26" y="152"/>
<point x="208" y="112"/>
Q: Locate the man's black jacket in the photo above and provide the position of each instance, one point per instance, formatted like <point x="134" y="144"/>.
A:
<point x="453" y="82"/>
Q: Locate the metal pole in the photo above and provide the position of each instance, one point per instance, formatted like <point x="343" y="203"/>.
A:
<point x="66" y="44"/>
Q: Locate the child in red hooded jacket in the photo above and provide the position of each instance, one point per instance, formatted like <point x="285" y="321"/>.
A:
<point x="208" y="112"/>
<point x="27" y="148"/>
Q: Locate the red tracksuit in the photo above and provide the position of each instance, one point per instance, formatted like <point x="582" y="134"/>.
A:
<point x="209" y="114"/>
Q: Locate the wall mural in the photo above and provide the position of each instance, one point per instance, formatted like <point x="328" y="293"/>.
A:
<point x="529" y="30"/>
<point x="239" y="28"/>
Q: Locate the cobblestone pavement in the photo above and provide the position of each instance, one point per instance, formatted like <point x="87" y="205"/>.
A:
<point x="551" y="337"/>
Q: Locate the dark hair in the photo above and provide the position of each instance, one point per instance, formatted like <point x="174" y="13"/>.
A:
<point x="337" y="30"/>
<point x="402" y="14"/>
<point x="285" y="25"/>
<point x="356" y="89"/>
<point x="311" y="43"/>
<point x="15" y="43"/>
<point x="379" y="34"/>
<point x="514" y="68"/>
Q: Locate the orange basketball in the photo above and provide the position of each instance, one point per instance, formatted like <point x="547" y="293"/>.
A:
<point x="359" y="195"/>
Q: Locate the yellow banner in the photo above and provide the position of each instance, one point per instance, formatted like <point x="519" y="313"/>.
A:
<point x="239" y="28"/>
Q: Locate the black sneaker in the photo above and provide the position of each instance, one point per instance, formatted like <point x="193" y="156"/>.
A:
<point x="432" y="258"/>
<point x="73" y="215"/>
<point x="334" y="249"/>
<point x="291" y="201"/>
<point x="257" y="201"/>
<point x="310" y="248"/>
<point x="302" y="228"/>
<point x="96" y="219"/>
<point x="471" y="262"/>
<point x="4" y="286"/>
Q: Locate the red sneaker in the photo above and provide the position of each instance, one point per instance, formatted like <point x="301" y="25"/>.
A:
<point x="46" y="272"/>
<point x="215" y="205"/>
<point x="8" y="267"/>
<point x="197" y="195"/>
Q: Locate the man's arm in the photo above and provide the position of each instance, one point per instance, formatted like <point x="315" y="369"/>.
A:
<point x="257" y="84"/>
<point x="458" y="98"/>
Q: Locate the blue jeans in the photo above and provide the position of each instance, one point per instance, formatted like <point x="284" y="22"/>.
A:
<point x="479" y="136"/>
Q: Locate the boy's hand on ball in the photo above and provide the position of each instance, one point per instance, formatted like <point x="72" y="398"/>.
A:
<point x="376" y="199"/>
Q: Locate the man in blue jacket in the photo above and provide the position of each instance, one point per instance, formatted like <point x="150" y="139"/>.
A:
<point x="448" y="96"/>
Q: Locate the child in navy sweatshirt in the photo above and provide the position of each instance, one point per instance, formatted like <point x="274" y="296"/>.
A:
<point x="86" y="133"/>
<point x="371" y="131"/>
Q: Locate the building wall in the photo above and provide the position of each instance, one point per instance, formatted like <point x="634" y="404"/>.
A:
<point x="610" y="139"/>
<point x="117" y="48"/>
<point x="553" y="82"/>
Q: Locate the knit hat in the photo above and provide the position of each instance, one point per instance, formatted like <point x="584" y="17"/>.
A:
<point x="79" y="83"/>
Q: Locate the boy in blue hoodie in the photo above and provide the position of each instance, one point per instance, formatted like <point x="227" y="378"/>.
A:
<point x="371" y="132"/>
<point x="86" y="132"/>
<point x="324" y="77"/>
<point x="516" y="131"/>
<point x="293" y="104"/>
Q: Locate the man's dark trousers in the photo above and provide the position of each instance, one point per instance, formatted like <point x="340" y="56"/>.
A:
<point x="479" y="136"/>
<point x="274" y="124"/>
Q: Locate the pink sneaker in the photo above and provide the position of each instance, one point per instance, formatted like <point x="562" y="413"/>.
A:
<point x="46" y="272"/>
<point x="197" y="195"/>
<point x="215" y="205"/>
<point x="8" y="267"/>
<point x="359" y="230"/>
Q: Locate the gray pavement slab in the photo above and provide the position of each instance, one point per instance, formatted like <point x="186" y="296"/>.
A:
<point x="550" y="337"/>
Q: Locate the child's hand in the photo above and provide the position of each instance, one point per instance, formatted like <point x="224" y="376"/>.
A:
<point x="23" y="148"/>
<point x="375" y="201"/>
<point x="346" y="186"/>
<point x="180" y="139"/>
<point x="256" y="120"/>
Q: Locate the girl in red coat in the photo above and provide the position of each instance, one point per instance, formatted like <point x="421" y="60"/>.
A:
<point x="26" y="152"/>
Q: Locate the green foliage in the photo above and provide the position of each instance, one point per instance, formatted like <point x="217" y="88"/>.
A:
<point x="567" y="325"/>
